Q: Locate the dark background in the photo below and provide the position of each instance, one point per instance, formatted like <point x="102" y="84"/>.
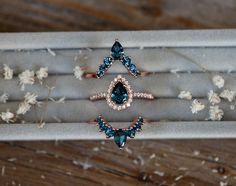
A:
<point x="90" y="163"/>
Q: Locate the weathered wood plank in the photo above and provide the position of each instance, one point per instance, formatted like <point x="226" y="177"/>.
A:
<point x="71" y="15"/>
<point x="101" y="163"/>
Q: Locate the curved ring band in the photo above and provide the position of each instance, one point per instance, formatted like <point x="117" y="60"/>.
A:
<point x="120" y="135"/>
<point x="119" y="95"/>
<point x="117" y="54"/>
<point x="139" y="95"/>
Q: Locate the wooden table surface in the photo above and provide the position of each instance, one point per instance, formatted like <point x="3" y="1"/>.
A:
<point x="93" y="163"/>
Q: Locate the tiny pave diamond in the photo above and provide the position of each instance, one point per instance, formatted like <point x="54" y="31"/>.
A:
<point x="143" y="95"/>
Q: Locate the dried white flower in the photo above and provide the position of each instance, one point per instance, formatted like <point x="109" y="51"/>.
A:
<point x="175" y="71"/>
<point x="4" y="97"/>
<point x="196" y="106"/>
<point x="185" y="95"/>
<point x="159" y="173"/>
<point x="51" y="52"/>
<point x="223" y="183"/>
<point x="42" y="73"/>
<point x="26" y="77"/>
<point x="7" y="72"/>
<point x="41" y="125"/>
<point x="60" y="100"/>
<point x="228" y="94"/>
<point x="215" y="113"/>
<point x="78" y="72"/>
<point x="218" y="81"/>
<point x="7" y="116"/>
<point x="31" y="98"/>
<point x="23" y="108"/>
<point x="213" y="97"/>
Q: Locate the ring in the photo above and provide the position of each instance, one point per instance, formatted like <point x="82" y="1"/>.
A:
<point x="117" y="53"/>
<point x="119" y="95"/>
<point x="120" y="134"/>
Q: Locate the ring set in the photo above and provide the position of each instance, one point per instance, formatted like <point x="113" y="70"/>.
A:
<point x="119" y="96"/>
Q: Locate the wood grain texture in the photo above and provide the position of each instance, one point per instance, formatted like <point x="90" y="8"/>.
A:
<point x="75" y="15"/>
<point x="90" y="163"/>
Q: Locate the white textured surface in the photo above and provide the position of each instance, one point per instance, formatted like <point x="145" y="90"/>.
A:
<point x="130" y="39"/>
<point x="160" y="130"/>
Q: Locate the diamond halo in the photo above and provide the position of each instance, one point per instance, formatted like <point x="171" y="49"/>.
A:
<point x="128" y="88"/>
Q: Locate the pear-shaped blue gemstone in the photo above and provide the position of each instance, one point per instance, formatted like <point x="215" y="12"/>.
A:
<point x="119" y="94"/>
<point x="120" y="138"/>
<point x="117" y="51"/>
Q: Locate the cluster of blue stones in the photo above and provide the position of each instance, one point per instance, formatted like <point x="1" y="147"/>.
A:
<point x="117" y="53"/>
<point x="120" y="135"/>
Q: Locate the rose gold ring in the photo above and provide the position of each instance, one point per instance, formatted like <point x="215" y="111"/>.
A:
<point x="119" y="95"/>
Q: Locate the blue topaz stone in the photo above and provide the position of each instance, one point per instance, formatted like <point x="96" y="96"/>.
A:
<point x="126" y="61"/>
<point x="133" y="68"/>
<point x="117" y="51"/>
<point x="131" y="132"/>
<point x="138" y="126"/>
<point x="120" y="138"/>
<point x="100" y="73"/>
<point x="140" y="119"/>
<point x="109" y="132"/>
<point x="119" y="94"/>
<point x="120" y="135"/>
<point x="107" y="61"/>
<point x="102" y="125"/>
<point x="102" y="67"/>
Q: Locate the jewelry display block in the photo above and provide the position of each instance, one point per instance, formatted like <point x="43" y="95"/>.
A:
<point x="178" y="60"/>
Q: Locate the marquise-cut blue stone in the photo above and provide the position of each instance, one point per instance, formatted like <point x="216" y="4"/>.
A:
<point x="107" y="61"/>
<point x="117" y="51"/>
<point x="138" y="126"/>
<point x="100" y="73"/>
<point x="132" y="68"/>
<point x="102" y="67"/>
<point x="140" y="119"/>
<point x="119" y="94"/>
<point x="101" y="124"/>
<point x="126" y="61"/>
<point x="120" y="138"/>
<point x="131" y="132"/>
<point x="109" y="132"/>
